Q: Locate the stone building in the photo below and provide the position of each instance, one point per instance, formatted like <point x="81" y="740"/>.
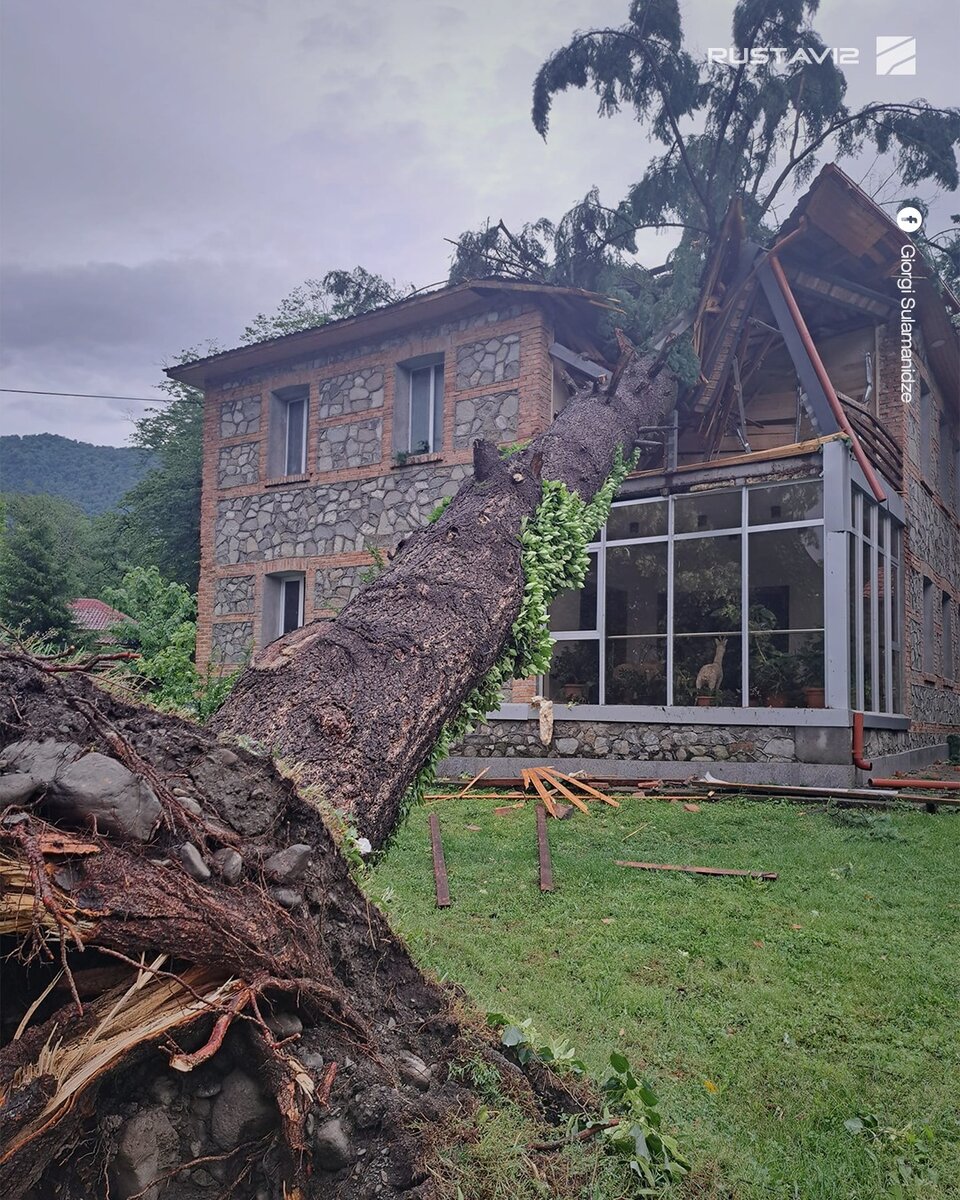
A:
<point x="787" y="555"/>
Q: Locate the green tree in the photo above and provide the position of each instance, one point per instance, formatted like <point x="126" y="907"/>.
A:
<point x="726" y="132"/>
<point x="35" y="584"/>
<point x="315" y="302"/>
<point x="163" y="632"/>
<point x="160" y="517"/>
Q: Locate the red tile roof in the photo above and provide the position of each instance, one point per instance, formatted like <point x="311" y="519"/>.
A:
<point x="95" y="615"/>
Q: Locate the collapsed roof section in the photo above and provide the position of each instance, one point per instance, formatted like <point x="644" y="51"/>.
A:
<point x="788" y="337"/>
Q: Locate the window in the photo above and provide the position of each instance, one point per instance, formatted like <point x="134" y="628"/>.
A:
<point x="418" y="414"/>
<point x="926" y="430"/>
<point x="282" y="604"/>
<point x="289" y="418"/>
<point x="928" y="659"/>
<point x="946" y="626"/>
<point x="714" y="597"/>
<point x="875" y="617"/>
<point x="426" y="407"/>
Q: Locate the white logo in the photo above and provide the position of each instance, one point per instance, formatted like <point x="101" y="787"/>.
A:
<point x="896" y="55"/>
<point x="909" y="218"/>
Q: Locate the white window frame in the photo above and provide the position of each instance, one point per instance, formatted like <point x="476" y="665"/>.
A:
<point x="433" y="368"/>
<point x="288" y="404"/>
<point x="298" y="578"/>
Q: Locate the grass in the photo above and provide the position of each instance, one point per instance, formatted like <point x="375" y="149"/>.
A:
<point x="764" y="1014"/>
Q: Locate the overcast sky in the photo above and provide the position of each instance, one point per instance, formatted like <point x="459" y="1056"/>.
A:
<point x="172" y="167"/>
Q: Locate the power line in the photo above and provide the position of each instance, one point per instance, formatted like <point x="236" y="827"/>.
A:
<point x="83" y="395"/>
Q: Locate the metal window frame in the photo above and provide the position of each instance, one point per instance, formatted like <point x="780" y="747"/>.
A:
<point x="283" y="578"/>
<point x="838" y="671"/>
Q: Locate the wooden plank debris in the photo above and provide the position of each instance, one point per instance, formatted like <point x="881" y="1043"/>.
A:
<point x="439" y="866"/>
<point x="576" y="801"/>
<point x="584" y="787"/>
<point x="643" y="866"/>
<point x="543" y="848"/>
<point x="542" y="792"/>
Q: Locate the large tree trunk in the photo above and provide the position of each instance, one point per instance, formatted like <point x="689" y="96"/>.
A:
<point x="358" y="702"/>
<point x="196" y="993"/>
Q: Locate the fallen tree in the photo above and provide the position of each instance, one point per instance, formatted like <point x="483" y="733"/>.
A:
<point x="361" y="703"/>
<point x="198" y="999"/>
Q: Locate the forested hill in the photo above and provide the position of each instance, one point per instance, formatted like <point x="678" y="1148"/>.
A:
<point x="93" y="477"/>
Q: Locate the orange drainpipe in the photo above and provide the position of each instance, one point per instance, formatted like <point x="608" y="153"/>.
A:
<point x="939" y="785"/>
<point x="832" y="399"/>
<point x="858" y="760"/>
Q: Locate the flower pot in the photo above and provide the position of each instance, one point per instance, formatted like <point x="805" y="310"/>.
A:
<point x="814" y="697"/>
<point x="776" y="700"/>
<point x="574" y="691"/>
<point x="704" y="701"/>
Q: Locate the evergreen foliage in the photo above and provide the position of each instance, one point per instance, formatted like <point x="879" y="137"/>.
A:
<point x="92" y="477"/>
<point x="35" y="584"/>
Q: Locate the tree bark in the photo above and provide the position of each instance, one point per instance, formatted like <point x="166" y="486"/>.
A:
<point x="356" y="703"/>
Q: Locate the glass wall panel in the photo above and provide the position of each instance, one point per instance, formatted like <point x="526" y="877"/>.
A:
<point x="802" y="501"/>
<point x="637" y="521"/>
<point x="636" y="590"/>
<point x="575" y="610"/>
<point x="707" y="669"/>
<point x="574" y="673"/>
<point x="707" y="585"/>
<point x="636" y="670"/>
<point x="707" y="510"/>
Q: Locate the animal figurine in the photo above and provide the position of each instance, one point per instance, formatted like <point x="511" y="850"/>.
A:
<point x="710" y="675"/>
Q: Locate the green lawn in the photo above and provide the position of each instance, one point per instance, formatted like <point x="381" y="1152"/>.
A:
<point x="764" y="1014"/>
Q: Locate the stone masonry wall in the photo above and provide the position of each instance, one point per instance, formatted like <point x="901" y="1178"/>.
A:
<point x="302" y="522"/>
<point x="491" y="417"/>
<point x="232" y="641"/>
<point x="492" y="361"/>
<point x="931" y="542"/>
<point x="355" y="494"/>
<point x="234" y="594"/>
<point x="357" y="444"/>
<point x="610" y="739"/>
<point x="240" y="417"/>
<point x="335" y="586"/>
<point x="239" y="464"/>
<point x="356" y="391"/>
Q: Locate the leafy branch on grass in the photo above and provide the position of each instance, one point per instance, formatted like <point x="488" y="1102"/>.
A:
<point x="629" y="1123"/>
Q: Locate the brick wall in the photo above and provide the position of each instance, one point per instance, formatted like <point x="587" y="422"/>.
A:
<point x="931" y="539"/>
<point x="354" y="494"/>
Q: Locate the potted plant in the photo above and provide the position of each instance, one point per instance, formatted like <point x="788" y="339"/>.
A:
<point x="574" y="666"/>
<point x="773" y="676"/>
<point x="810" y="672"/>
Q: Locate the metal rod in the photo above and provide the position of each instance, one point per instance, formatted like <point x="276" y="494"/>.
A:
<point x="832" y="399"/>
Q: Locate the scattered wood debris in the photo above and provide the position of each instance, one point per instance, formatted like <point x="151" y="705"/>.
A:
<point x="767" y="875"/>
<point x="439" y="866"/>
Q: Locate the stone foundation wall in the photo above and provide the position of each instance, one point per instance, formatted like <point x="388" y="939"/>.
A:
<point x="609" y="739"/>
<point x="335" y="586"/>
